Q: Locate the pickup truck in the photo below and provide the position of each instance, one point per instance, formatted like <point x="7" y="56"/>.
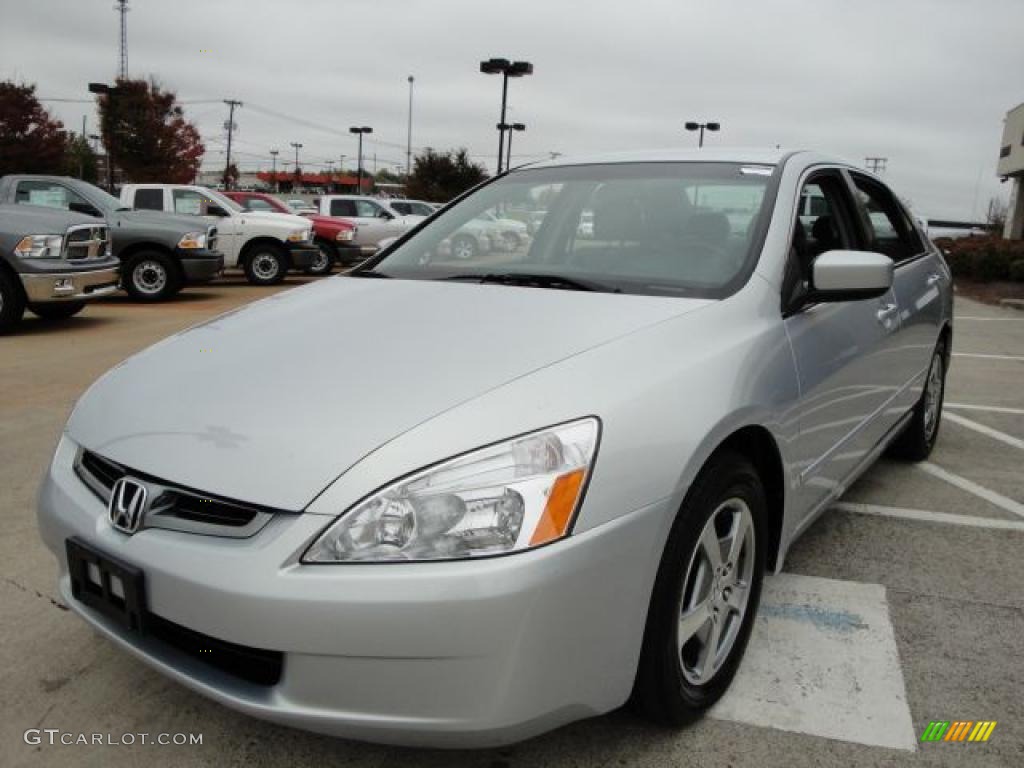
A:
<point x="265" y="246"/>
<point x="159" y="254"/>
<point x="52" y="262"/>
<point x="375" y="220"/>
<point x="333" y="236"/>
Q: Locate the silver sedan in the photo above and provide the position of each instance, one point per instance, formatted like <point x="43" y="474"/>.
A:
<point x="551" y="480"/>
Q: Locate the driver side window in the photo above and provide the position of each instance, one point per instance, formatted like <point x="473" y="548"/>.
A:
<point x="822" y="224"/>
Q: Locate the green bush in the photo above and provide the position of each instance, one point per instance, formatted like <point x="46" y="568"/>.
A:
<point x="1017" y="270"/>
<point x="985" y="259"/>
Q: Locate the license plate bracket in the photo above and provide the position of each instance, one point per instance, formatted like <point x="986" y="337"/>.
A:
<point x="107" y="585"/>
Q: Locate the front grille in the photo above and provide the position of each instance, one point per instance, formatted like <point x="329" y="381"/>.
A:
<point x="174" y="507"/>
<point x="254" y="665"/>
<point x="86" y="241"/>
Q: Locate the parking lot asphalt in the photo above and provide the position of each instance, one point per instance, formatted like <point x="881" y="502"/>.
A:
<point x="902" y="605"/>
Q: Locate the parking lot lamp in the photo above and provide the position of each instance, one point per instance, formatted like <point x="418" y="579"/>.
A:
<point x="273" y="173"/>
<point x="506" y="69"/>
<point x="512" y="128"/>
<point x="692" y="126"/>
<point x="102" y="89"/>
<point x="360" y="130"/>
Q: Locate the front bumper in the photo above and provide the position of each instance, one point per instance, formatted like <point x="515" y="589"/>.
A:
<point x="460" y="654"/>
<point x="200" y="266"/>
<point x="43" y="287"/>
<point x="302" y="255"/>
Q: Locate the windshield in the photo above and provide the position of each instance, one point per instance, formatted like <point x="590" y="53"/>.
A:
<point x="224" y="202"/>
<point x="683" y="229"/>
<point x="102" y="199"/>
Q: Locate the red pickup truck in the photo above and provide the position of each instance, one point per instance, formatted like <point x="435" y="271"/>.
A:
<point x="334" y="236"/>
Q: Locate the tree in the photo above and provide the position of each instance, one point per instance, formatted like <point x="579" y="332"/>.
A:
<point x="80" y="160"/>
<point x="230" y="176"/>
<point x="152" y="139"/>
<point x="30" y="140"/>
<point x="384" y="176"/>
<point x="440" y="176"/>
<point x="995" y="218"/>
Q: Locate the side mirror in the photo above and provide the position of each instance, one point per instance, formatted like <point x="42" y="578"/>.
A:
<point x="216" y="210"/>
<point x="850" y="276"/>
<point x="382" y="214"/>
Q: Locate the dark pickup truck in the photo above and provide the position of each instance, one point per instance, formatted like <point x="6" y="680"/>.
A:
<point x="52" y="262"/>
<point x="159" y="254"/>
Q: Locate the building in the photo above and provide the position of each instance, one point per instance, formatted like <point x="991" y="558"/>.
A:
<point x="1011" y="168"/>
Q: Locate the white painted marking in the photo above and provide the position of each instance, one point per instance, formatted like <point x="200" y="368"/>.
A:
<point x="995" y="434"/>
<point x="823" y="661"/>
<point x="992" y="408"/>
<point x="1003" y="502"/>
<point x="979" y="317"/>
<point x="978" y="355"/>
<point x="927" y="516"/>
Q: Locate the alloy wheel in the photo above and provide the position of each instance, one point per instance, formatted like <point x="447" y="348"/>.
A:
<point x="149" y="277"/>
<point x="933" y="396"/>
<point x="716" y="591"/>
<point x="265" y="266"/>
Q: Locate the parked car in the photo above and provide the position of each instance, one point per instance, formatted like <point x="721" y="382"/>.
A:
<point x="301" y="207"/>
<point x="265" y="246"/>
<point x="159" y="255"/>
<point x="371" y="215"/>
<point x="333" y="236"/>
<point x="411" y="207"/>
<point x="567" y="472"/>
<point x="52" y="262"/>
<point x="513" y="233"/>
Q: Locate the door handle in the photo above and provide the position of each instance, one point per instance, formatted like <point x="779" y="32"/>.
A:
<point x="884" y="314"/>
<point x="933" y="279"/>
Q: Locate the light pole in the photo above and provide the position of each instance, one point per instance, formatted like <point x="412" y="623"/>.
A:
<point x="297" y="147"/>
<point x="408" y="139"/>
<point x="360" y="130"/>
<point x="700" y="127"/>
<point x="273" y="173"/>
<point x="102" y="89"/>
<point x="512" y="128"/>
<point x="506" y="69"/>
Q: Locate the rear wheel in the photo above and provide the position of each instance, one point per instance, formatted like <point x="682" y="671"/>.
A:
<point x="151" y="276"/>
<point x="58" y="310"/>
<point x="324" y="261"/>
<point x="918" y="438"/>
<point x="706" y="594"/>
<point x="266" y="264"/>
<point x="464" y="248"/>
<point x="12" y="302"/>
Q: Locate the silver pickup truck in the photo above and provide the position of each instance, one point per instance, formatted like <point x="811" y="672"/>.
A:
<point x="52" y="262"/>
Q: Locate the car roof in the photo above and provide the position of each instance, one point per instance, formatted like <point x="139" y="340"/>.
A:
<point x="752" y="155"/>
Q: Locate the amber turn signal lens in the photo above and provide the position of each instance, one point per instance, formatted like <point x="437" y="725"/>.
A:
<point x="554" y="522"/>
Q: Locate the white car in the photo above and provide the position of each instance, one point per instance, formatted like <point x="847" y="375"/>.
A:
<point x="375" y="220"/>
<point x="264" y="245"/>
<point x="411" y="207"/>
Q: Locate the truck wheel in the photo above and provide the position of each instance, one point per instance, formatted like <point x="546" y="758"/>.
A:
<point x="57" y="310"/>
<point x="325" y="261"/>
<point x="266" y="264"/>
<point x="464" y="247"/>
<point x="151" y="276"/>
<point x="12" y="302"/>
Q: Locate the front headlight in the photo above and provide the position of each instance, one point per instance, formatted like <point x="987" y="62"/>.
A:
<point x="192" y="240"/>
<point x="345" y="235"/>
<point x="39" y="247"/>
<point x="508" y="497"/>
<point x="298" y="236"/>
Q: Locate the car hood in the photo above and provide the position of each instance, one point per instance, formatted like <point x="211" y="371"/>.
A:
<point x="287" y="218"/>
<point x="331" y="221"/>
<point x="270" y="403"/>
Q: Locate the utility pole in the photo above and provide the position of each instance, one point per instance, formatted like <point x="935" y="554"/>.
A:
<point x="876" y="164"/>
<point x="122" y="8"/>
<point x="298" y="178"/>
<point x="231" y="129"/>
<point x="273" y="173"/>
<point x="408" y="140"/>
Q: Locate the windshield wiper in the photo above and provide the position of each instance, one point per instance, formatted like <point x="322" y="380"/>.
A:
<point x="536" y="280"/>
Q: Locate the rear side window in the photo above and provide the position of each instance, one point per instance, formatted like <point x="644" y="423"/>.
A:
<point x="149" y="199"/>
<point x="888" y="228"/>
<point x="403" y="208"/>
<point x="343" y="208"/>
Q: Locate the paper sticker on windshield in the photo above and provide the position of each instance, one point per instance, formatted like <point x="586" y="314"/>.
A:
<point x="757" y="170"/>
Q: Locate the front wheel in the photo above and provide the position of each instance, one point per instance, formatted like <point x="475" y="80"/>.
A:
<point x="706" y="594"/>
<point x="151" y="277"/>
<point x="266" y="265"/>
<point x="324" y="261"/>
<point x="58" y="310"/>
<point x="918" y="438"/>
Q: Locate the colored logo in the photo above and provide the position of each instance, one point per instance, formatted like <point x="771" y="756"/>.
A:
<point x="958" y="730"/>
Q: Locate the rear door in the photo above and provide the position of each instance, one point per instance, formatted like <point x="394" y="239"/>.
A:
<point x="842" y="350"/>
<point x="887" y="228"/>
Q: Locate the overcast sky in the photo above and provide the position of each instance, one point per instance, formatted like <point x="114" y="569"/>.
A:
<point x="925" y="83"/>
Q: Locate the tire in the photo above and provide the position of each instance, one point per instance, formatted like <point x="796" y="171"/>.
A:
<point x="151" y="276"/>
<point x="916" y="441"/>
<point x="12" y="301"/>
<point x="266" y="264"/>
<point x="677" y="680"/>
<point x="465" y="248"/>
<point x="57" y="310"/>
<point x="325" y="262"/>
